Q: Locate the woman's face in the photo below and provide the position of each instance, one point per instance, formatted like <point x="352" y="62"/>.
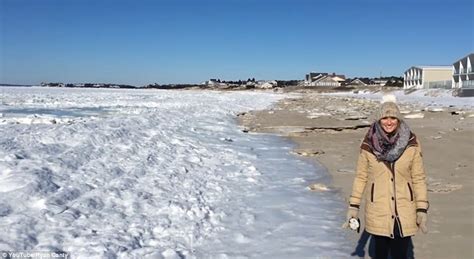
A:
<point x="389" y="124"/>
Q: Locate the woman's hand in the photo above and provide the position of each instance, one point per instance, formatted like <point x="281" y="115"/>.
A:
<point x="421" y="219"/>
<point x="351" y="213"/>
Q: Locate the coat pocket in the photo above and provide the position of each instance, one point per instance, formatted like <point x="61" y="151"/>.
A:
<point x="411" y="192"/>
<point x="372" y="192"/>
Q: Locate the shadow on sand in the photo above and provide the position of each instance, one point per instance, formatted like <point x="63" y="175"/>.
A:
<point x="362" y="249"/>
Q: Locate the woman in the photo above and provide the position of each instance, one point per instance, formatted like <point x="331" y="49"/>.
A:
<point x="390" y="174"/>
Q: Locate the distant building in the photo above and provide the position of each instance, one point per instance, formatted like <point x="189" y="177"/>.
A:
<point x="360" y="82"/>
<point x="313" y="76"/>
<point x="380" y="82"/>
<point x="218" y="84"/>
<point x="324" y="79"/>
<point x="420" y="77"/>
<point x="463" y="75"/>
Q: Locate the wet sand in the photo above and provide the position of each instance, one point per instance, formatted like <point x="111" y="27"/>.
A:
<point x="329" y="130"/>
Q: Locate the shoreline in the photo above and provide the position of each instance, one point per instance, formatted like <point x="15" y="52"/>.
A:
<point x="328" y="130"/>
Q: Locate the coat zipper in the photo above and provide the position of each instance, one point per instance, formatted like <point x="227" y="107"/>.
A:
<point x="392" y="169"/>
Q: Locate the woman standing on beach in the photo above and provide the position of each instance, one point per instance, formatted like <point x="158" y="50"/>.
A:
<point x="390" y="174"/>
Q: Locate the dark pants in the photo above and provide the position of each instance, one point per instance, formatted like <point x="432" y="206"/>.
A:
<point x="398" y="247"/>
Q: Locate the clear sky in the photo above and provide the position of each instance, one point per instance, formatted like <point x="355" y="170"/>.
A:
<point x="189" y="41"/>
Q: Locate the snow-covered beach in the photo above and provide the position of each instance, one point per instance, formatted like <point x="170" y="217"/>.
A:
<point x="105" y="173"/>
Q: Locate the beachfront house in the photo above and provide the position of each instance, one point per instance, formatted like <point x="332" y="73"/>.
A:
<point x="358" y="82"/>
<point x="380" y="82"/>
<point x="463" y="75"/>
<point x="425" y="77"/>
<point x="361" y="82"/>
<point x="324" y="79"/>
<point x="313" y="76"/>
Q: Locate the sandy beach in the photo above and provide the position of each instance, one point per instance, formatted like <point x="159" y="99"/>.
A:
<point x="328" y="129"/>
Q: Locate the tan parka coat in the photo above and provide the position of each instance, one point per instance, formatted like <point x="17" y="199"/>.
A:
<point x="392" y="191"/>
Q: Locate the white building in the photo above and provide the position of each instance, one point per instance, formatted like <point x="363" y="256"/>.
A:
<point x="463" y="75"/>
<point x="419" y="77"/>
<point x="324" y="79"/>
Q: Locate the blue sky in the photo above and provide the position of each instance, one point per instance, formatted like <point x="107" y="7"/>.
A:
<point x="184" y="41"/>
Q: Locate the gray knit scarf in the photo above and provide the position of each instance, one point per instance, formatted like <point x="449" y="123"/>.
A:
<point x="388" y="147"/>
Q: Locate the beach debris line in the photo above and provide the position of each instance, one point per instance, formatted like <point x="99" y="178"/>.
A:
<point x="338" y="128"/>
<point x="308" y="152"/>
<point x="354" y="118"/>
<point x="346" y="171"/>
